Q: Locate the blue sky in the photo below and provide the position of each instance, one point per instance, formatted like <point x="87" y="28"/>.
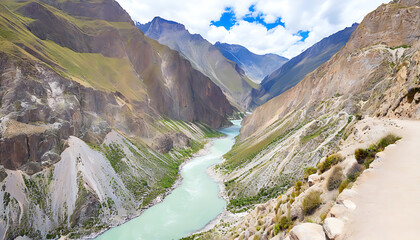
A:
<point x="284" y="27"/>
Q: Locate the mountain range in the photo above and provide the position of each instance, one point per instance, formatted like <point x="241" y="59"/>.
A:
<point x="292" y="72"/>
<point x="98" y="113"/>
<point x="256" y="67"/>
<point x="204" y="57"/>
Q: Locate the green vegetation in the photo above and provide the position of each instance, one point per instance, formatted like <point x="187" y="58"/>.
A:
<point x="114" y="154"/>
<point x="244" y="152"/>
<point x="335" y="178"/>
<point x="329" y="162"/>
<point x="360" y="155"/>
<point x="311" y="202"/>
<point x="285" y="222"/>
<point x="352" y="175"/>
<point x="343" y="185"/>
<point x="309" y="171"/>
<point x="387" y="140"/>
<point x="354" y="172"/>
<point x="243" y="203"/>
<point x="367" y="156"/>
<point x="401" y="46"/>
<point x="276" y="229"/>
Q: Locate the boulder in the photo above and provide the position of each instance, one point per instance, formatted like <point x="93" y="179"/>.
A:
<point x="338" y="211"/>
<point x="313" y="179"/>
<point x="349" y="204"/>
<point x="296" y="212"/>
<point x="307" y="231"/>
<point x="346" y="195"/>
<point x="333" y="227"/>
<point x="277" y="237"/>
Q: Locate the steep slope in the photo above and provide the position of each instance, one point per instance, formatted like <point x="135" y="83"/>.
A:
<point x="376" y="74"/>
<point x="256" y="67"/>
<point x="82" y="90"/>
<point x="205" y="58"/>
<point x="296" y="68"/>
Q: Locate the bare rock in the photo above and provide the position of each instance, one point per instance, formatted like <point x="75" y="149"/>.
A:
<point x="349" y="204"/>
<point x="313" y="179"/>
<point x="277" y="237"/>
<point x="296" y="212"/>
<point x="338" y="211"/>
<point x="333" y="227"/>
<point x="346" y="195"/>
<point x="307" y="231"/>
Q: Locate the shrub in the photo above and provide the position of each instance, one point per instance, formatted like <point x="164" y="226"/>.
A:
<point x="343" y="185"/>
<point x="276" y="229"/>
<point x="354" y="172"/>
<point x="285" y="223"/>
<point x="335" y="178"/>
<point x="329" y="162"/>
<point x="309" y="171"/>
<point x="311" y="202"/>
<point x="298" y="186"/>
<point x="360" y="155"/>
<point x="387" y="140"/>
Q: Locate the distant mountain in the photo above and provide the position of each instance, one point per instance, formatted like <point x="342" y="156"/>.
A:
<point x="296" y="68"/>
<point x="204" y="57"/>
<point x="256" y="67"/>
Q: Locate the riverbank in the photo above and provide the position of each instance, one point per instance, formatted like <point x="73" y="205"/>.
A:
<point x="226" y="217"/>
<point x="202" y="152"/>
<point x="193" y="202"/>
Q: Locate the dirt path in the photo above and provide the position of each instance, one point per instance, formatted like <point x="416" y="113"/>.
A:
<point x="388" y="198"/>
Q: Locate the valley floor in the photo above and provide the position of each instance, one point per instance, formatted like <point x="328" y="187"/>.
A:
<point x="388" y="196"/>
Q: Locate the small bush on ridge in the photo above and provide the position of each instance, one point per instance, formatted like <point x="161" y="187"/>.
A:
<point x="311" y="202"/>
<point x="335" y="178"/>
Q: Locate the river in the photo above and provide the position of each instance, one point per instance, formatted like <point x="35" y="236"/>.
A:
<point x="189" y="207"/>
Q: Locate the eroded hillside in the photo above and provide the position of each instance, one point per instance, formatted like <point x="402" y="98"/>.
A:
<point x="95" y="117"/>
<point x="375" y="74"/>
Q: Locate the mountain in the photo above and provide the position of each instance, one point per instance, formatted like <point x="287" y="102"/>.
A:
<point x="95" y="118"/>
<point x="204" y="57"/>
<point x="296" y="68"/>
<point x="375" y="74"/>
<point x="299" y="157"/>
<point x="256" y="67"/>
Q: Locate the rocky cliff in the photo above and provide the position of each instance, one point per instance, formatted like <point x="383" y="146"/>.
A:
<point x="375" y="74"/>
<point x="204" y="57"/>
<point x="83" y="89"/>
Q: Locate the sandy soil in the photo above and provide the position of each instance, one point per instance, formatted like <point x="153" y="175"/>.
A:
<point x="388" y="195"/>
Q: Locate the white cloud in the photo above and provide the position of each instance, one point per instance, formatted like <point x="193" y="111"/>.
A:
<point x="321" y="17"/>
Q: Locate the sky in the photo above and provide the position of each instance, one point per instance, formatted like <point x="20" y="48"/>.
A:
<point x="284" y="27"/>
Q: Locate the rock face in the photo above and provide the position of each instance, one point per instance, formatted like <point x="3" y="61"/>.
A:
<point x="74" y="73"/>
<point x="333" y="227"/>
<point x="375" y="73"/>
<point x="43" y="90"/>
<point x="307" y="231"/>
<point x="256" y="67"/>
<point x="204" y="57"/>
<point x="292" y="72"/>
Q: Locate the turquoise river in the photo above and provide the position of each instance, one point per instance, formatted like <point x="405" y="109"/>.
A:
<point x="186" y="209"/>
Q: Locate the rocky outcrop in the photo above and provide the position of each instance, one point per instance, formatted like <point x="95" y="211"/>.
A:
<point x="390" y="26"/>
<point x="333" y="227"/>
<point x="307" y="231"/>
<point x="84" y="95"/>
